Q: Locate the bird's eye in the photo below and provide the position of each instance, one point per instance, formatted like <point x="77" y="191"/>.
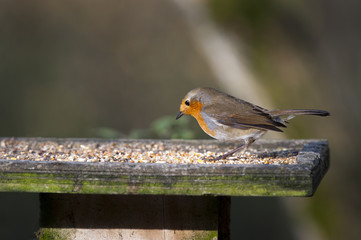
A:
<point x="186" y="102"/>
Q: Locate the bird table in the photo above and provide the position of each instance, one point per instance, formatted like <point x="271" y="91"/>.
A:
<point x="152" y="189"/>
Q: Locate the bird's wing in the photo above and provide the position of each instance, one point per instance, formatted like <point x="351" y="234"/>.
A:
<point x="243" y="115"/>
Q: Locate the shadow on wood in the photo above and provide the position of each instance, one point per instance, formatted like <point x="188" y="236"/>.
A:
<point x="179" y="214"/>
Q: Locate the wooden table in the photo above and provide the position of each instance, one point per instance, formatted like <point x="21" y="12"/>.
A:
<point x="125" y="200"/>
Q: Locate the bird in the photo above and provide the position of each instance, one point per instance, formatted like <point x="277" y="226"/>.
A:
<point x="227" y="118"/>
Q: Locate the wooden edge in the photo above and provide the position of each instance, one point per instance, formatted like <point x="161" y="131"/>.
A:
<point x="316" y="155"/>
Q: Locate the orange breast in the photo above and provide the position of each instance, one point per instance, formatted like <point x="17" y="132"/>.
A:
<point x="195" y="111"/>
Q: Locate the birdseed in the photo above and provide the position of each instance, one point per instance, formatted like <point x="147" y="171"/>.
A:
<point x="142" y="151"/>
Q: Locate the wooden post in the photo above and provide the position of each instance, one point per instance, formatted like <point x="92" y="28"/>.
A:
<point x="88" y="216"/>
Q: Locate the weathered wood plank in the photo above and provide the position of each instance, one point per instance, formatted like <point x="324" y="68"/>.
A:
<point x="94" y="216"/>
<point x="298" y="179"/>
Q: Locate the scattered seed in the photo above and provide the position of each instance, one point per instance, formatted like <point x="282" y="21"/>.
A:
<point x="138" y="152"/>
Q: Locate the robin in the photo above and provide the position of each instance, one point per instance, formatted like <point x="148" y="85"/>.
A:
<point x="228" y="118"/>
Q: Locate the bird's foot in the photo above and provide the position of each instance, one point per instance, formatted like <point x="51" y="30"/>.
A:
<point x="213" y="158"/>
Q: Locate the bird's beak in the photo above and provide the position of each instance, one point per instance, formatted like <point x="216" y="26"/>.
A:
<point x="179" y="115"/>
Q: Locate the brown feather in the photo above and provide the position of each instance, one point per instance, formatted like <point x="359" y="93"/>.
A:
<point x="240" y="114"/>
<point x="288" y="112"/>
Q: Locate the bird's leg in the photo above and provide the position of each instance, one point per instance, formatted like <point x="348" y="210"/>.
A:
<point x="248" y="142"/>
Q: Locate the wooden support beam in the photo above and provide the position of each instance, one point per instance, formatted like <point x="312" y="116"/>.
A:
<point x="89" y="216"/>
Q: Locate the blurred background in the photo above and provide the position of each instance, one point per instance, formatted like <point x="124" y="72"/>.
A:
<point x="119" y="69"/>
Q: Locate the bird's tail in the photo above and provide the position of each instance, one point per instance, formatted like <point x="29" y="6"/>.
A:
<point x="291" y="113"/>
